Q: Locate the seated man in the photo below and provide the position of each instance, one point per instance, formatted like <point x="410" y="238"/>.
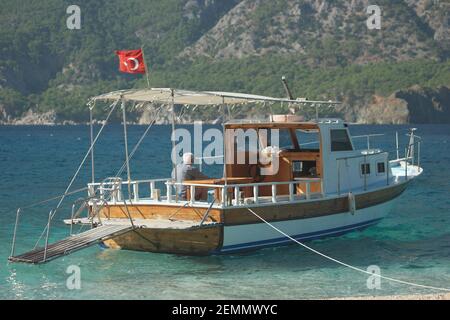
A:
<point x="186" y="171"/>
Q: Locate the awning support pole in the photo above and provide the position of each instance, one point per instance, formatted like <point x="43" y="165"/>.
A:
<point x="174" y="164"/>
<point x="91" y="124"/>
<point x="224" y="141"/>
<point x="125" y="134"/>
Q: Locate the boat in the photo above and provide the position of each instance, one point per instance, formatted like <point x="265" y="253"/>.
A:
<point x="315" y="184"/>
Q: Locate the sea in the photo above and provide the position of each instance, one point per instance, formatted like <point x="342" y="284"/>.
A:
<point x="37" y="162"/>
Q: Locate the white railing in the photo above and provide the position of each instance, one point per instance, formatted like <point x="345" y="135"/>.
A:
<point x="274" y="197"/>
<point x="230" y="194"/>
<point x="414" y="159"/>
<point x="117" y="194"/>
<point x="368" y="136"/>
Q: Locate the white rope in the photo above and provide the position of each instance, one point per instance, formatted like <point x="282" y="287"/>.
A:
<point x="34" y="204"/>
<point x="345" y="264"/>
<point x="182" y="112"/>
<point x="113" y="107"/>
<point x="211" y="157"/>
<point x="139" y="142"/>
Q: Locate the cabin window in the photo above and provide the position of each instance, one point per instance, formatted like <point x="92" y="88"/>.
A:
<point x="304" y="169"/>
<point x="283" y="141"/>
<point x="297" y="168"/>
<point x="365" y="168"/>
<point x="308" y="140"/>
<point x="245" y="140"/>
<point x="381" y="168"/>
<point x="340" y="140"/>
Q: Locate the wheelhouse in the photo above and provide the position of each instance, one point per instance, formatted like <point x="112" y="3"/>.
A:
<point x="286" y="151"/>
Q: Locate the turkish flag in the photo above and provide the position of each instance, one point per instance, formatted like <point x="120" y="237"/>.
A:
<point x="131" y="61"/>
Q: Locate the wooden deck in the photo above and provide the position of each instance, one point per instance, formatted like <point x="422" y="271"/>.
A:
<point x="142" y="223"/>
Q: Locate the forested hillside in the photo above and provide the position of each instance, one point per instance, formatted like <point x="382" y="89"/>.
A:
<point x="324" y="48"/>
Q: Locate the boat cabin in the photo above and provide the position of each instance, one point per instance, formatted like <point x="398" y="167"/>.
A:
<point x="274" y="152"/>
<point x="282" y="150"/>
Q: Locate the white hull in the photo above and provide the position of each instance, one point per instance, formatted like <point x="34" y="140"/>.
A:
<point x="252" y="236"/>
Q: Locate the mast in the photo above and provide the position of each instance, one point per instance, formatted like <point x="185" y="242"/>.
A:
<point x="146" y="67"/>
<point x="286" y="88"/>
<point x="411" y="143"/>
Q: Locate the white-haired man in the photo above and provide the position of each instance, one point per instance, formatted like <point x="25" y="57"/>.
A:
<point x="187" y="171"/>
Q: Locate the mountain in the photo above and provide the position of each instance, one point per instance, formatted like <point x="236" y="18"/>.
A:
<point x="324" y="48"/>
<point x="326" y="32"/>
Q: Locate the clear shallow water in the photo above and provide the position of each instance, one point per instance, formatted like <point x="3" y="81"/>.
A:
<point x="412" y="243"/>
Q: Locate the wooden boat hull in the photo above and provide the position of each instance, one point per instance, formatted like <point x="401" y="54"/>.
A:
<point x="198" y="241"/>
<point x="237" y="229"/>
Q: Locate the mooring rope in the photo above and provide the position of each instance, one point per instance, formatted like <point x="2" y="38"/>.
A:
<point x="343" y="263"/>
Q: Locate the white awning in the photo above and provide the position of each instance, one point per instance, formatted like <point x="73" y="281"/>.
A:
<point x="187" y="97"/>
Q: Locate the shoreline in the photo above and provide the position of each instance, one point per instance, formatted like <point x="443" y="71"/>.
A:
<point x="432" y="296"/>
<point x="182" y="123"/>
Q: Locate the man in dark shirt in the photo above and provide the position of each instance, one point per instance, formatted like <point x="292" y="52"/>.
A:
<point x="187" y="171"/>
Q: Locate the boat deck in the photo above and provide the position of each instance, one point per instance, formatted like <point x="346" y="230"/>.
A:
<point x="143" y="223"/>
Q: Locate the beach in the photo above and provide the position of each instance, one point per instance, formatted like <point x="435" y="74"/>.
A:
<point x="438" y="296"/>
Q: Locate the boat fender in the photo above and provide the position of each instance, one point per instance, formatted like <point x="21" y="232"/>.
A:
<point x="351" y="203"/>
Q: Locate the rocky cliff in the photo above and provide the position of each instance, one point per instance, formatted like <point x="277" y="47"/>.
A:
<point x="426" y="105"/>
<point x="414" y="105"/>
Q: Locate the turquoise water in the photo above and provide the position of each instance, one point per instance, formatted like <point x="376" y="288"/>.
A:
<point x="412" y="243"/>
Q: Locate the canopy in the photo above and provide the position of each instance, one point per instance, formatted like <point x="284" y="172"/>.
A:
<point x="186" y="97"/>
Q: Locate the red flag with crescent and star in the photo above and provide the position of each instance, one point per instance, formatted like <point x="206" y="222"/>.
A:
<point x="131" y="61"/>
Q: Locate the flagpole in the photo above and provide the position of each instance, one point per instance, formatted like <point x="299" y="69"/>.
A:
<point x="146" y="68"/>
